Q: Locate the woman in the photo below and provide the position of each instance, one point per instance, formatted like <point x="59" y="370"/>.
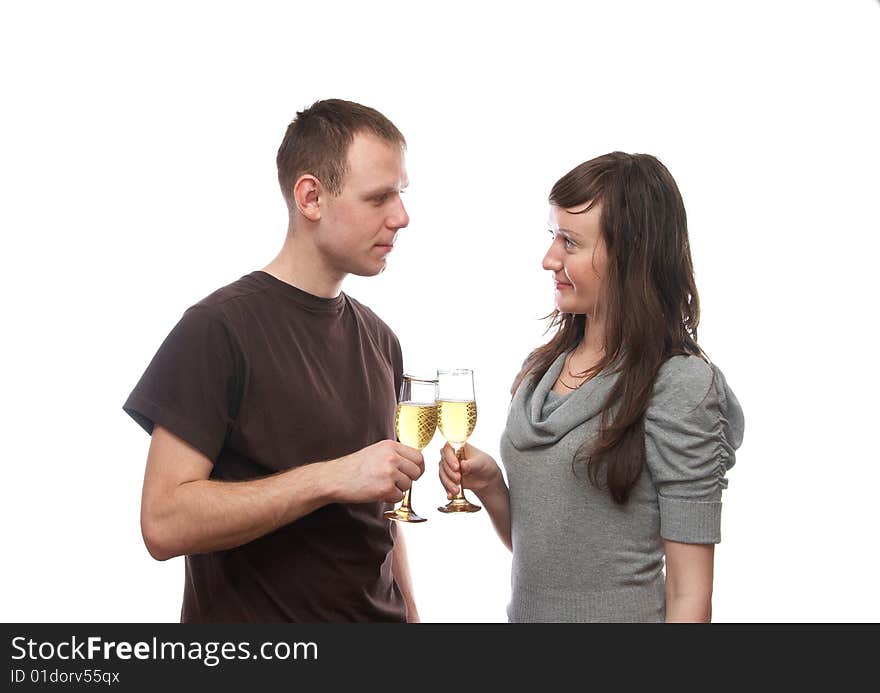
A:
<point x="620" y="430"/>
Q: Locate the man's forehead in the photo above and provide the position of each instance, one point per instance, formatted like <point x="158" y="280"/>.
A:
<point x="376" y="162"/>
<point x="367" y="146"/>
<point x="369" y="151"/>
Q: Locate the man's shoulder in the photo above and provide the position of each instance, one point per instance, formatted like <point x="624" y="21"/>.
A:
<point x="244" y="288"/>
<point x="368" y="315"/>
<point x="225" y="308"/>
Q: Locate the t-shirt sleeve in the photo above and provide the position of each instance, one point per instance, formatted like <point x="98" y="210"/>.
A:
<point x="693" y="426"/>
<point x="191" y="386"/>
<point x="396" y="364"/>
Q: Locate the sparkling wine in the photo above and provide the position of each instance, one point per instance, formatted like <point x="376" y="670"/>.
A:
<point x="456" y="419"/>
<point x="416" y="423"/>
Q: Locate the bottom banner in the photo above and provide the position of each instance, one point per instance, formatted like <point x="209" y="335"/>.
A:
<point x="286" y="657"/>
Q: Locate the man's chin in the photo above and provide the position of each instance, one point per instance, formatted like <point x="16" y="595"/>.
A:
<point x="370" y="270"/>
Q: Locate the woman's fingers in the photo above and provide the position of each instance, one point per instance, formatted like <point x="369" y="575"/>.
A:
<point x="449" y="473"/>
<point x="449" y="484"/>
<point x="448" y="455"/>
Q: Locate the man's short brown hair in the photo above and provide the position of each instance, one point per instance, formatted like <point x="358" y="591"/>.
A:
<point x="318" y="138"/>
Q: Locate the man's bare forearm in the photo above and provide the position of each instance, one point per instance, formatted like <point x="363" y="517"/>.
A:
<point x="184" y="511"/>
<point x="207" y="515"/>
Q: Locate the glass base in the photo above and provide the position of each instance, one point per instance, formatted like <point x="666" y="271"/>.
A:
<point x="459" y="505"/>
<point x="404" y="515"/>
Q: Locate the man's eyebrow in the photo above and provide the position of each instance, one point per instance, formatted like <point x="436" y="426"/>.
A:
<point x="387" y="190"/>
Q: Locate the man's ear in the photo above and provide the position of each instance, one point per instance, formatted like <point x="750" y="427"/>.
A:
<point x="307" y="195"/>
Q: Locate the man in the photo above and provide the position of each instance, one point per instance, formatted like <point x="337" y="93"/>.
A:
<point x="271" y="404"/>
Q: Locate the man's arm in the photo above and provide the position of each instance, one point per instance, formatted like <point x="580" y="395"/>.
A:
<point x="185" y="512"/>
<point x="689" y="575"/>
<point x="400" y="568"/>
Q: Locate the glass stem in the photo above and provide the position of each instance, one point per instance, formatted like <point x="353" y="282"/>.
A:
<point x="458" y="452"/>
<point x="404" y="504"/>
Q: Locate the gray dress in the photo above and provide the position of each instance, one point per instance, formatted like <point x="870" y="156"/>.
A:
<point x="577" y="555"/>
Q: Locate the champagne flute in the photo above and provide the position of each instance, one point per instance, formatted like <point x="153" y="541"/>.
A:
<point x="456" y="418"/>
<point x="415" y="423"/>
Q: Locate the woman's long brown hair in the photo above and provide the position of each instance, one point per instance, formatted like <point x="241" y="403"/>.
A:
<point x="649" y="301"/>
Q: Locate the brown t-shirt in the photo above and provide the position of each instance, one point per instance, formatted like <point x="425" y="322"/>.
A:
<point x="261" y="377"/>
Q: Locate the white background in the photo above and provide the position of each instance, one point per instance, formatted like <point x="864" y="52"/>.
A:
<point x="137" y="172"/>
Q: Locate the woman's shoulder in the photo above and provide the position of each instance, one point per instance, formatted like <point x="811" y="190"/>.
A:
<point x="687" y="382"/>
<point x="684" y="380"/>
<point x="691" y="387"/>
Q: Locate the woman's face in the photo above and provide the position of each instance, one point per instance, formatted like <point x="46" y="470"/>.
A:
<point x="577" y="258"/>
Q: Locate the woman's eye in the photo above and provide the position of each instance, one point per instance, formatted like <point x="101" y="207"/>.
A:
<point x="566" y="241"/>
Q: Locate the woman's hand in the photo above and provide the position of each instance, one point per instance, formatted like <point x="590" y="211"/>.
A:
<point x="479" y="470"/>
<point x="481" y="474"/>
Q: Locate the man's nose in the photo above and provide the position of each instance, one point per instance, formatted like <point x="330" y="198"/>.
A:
<point x="399" y="218"/>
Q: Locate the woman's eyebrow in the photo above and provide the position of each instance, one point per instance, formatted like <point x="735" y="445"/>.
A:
<point x="568" y="232"/>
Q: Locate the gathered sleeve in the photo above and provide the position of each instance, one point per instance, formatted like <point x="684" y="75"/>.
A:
<point x="693" y="426"/>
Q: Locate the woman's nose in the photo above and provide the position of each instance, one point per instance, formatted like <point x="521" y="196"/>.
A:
<point x="550" y="261"/>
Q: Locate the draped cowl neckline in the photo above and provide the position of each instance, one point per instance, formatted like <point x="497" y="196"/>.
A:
<point x="538" y="416"/>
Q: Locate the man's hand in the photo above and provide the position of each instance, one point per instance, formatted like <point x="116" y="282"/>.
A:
<point x="379" y="472"/>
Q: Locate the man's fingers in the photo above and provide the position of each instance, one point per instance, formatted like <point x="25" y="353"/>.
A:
<point x="394" y="497"/>
<point x="413" y="471"/>
<point x="411" y="454"/>
<point x="402" y="481"/>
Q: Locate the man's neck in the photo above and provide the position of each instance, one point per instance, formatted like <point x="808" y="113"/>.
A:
<point x="299" y="264"/>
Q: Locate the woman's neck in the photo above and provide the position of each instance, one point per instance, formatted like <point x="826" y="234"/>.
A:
<point x="593" y="340"/>
<point x="590" y="350"/>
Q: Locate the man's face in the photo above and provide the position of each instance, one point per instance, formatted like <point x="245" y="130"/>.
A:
<point x="359" y="226"/>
